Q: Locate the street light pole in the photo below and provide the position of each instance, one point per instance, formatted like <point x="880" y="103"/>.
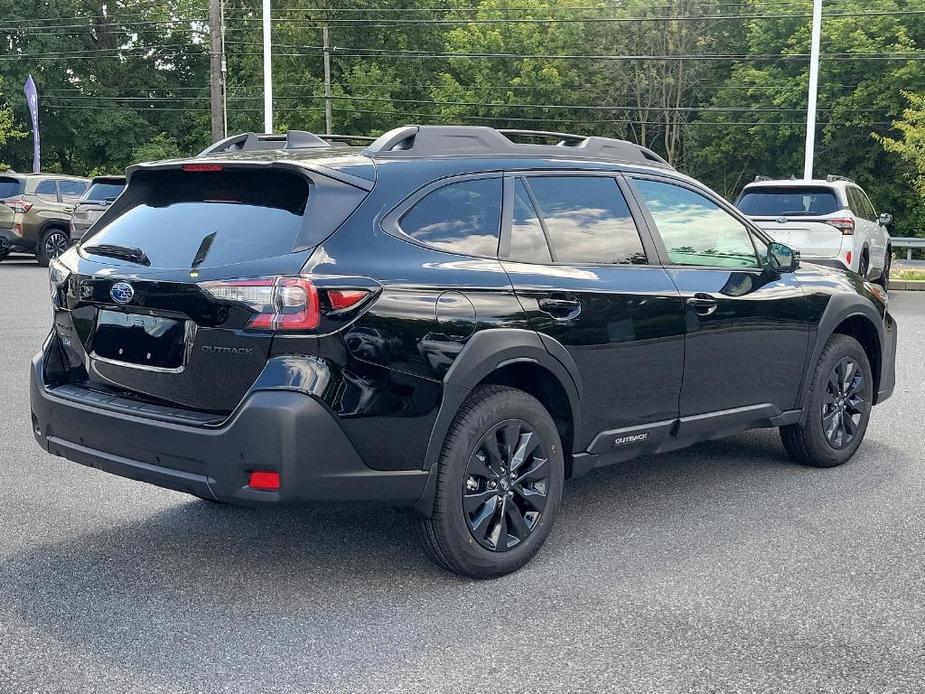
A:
<point x="813" y="89"/>
<point x="267" y="71"/>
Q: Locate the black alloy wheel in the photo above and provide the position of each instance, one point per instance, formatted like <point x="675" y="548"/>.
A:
<point x="506" y="484"/>
<point x="843" y="406"/>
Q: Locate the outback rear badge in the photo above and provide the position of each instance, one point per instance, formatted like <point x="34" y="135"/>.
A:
<point x="238" y="351"/>
<point x="122" y="292"/>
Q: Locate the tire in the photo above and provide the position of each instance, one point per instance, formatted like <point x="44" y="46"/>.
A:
<point x="863" y="266"/>
<point x="54" y="242"/>
<point x="815" y="442"/>
<point x="884" y="279"/>
<point x="470" y="531"/>
<point x="4" y="253"/>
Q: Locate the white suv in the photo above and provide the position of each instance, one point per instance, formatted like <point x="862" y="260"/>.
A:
<point x="831" y="222"/>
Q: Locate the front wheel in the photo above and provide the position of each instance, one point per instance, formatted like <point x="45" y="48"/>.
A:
<point x="884" y="279"/>
<point x="499" y="483"/>
<point x="52" y="244"/>
<point x="838" y="407"/>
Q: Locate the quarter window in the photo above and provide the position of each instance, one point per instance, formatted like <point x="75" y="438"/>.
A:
<point x="463" y="217"/>
<point x="695" y="230"/>
<point x="528" y="242"/>
<point x="587" y="219"/>
<point x="72" y="189"/>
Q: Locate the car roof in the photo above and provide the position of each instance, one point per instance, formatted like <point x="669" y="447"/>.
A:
<point x="801" y="183"/>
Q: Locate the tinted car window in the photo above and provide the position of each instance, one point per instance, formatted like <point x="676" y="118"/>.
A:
<point x="101" y="192"/>
<point x="528" y="242"/>
<point x="47" y="190"/>
<point x="866" y="209"/>
<point x="788" y="202"/>
<point x="695" y="230"/>
<point x="588" y="219"/>
<point x="10" y="187"/>
<point x="72" y="189"/>
<point x="174" y="212"/>
<point x="463" y="217"/>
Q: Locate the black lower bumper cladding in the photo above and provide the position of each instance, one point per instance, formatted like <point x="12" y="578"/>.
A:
<point x="278" y="430"/>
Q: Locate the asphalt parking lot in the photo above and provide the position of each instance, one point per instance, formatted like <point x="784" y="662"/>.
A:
<point x="723" y="568"/>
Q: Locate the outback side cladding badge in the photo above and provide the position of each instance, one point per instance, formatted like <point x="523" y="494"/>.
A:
<point x="122" y="293"/>
<point x="634" y="438"/>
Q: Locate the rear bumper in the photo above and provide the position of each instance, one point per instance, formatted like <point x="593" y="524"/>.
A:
<point x="10" y="241"/>
<point x="280" y="430"/>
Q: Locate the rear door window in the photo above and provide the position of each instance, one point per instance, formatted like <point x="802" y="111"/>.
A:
<point x="528" y="242"/>
<point x="462" y="217"/>
<point x="587" y="219"/>
<point x="10" y="187"/>
<point x="788" y="201"/>
<point x="249" y="216"/>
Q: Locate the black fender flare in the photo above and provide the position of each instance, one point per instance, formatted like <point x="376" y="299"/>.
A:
<point x="485" y="352"/>
<point x="840" y="308"/>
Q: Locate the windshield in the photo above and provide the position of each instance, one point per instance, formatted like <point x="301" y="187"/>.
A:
<point x="10" y="187"/>
<point x="103" y="192"/>
<point x="788" y="202"/>
<point x="252" y="215"/>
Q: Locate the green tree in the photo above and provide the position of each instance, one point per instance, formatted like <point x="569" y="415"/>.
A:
<point x="8" y="128"/>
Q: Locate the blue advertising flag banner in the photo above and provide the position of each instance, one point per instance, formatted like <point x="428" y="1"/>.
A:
<point x="32" y="98"/>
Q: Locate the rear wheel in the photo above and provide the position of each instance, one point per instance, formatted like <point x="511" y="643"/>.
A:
<point x="499" y="483"/>
<point x="864" y="265"/>
<point x="53" y="243"/>
<point x="4" y="253"/>
<point x="837" y="408"/>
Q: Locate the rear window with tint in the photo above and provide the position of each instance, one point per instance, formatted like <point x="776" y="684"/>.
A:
<point x="102" y="192"/>
<point x="10" y="187"/>
<point x="788" y="202"/>
<point x="253" y="215"/>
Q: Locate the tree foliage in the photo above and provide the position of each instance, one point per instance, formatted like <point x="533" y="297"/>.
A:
<point x="718" y="88"/>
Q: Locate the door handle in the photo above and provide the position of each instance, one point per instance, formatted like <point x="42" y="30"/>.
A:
<point x="560" y="306"/>
<point x="703" y="304"/>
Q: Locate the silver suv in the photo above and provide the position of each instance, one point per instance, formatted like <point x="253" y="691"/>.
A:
<point x="830" y="221"/>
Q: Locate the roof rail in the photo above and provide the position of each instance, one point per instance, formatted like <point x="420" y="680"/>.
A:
<point x="293" y="139"/>
<point x="761" y="179"/>
<point x="477" y="140"/>
<point x="831" y="178"/>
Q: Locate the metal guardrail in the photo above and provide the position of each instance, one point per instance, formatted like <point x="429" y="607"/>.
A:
<point x="908" y="242"/>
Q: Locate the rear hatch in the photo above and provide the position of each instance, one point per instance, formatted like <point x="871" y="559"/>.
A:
<point x="142" y="312"/>
<point x="10" y="187"/>
<point x="807" y="218"/>
<point x="100" y="195"/>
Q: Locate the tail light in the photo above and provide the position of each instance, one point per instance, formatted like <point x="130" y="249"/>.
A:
<point x="844" y="224"/>
<point x="18" y="204"/>
<point x="283" y="303"/>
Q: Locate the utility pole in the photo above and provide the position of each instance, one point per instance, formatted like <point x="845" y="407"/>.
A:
<point x="328" y="118"/>
<point x="224" y="76"/>
<point x="267" y="70"/>
<point x="813" y="89"/>
<point x="216" y="60"/>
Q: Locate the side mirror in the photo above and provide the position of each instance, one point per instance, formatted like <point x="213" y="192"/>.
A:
<point x="782" y="258"/>
<point x="886" y="219"/>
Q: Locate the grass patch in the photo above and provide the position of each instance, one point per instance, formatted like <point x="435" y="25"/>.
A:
<point x="904" y="275"/>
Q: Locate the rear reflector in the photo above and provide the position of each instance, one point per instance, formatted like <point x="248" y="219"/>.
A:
<point x="264" y="480"/>
<point x="202" y="167"/>
<point x="848" y="257"/>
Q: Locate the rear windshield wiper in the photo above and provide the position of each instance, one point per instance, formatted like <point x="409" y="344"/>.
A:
<point x="136" y="255"/>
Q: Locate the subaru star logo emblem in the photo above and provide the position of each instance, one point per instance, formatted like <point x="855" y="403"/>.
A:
<point x="782" y="220"/>
<point x="122" y="292"/>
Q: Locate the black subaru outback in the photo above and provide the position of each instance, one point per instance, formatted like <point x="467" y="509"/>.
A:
<point x="453" y="319"/>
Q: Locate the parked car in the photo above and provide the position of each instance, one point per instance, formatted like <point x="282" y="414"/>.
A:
<point x="101" y="194"/>
<point x="453" y="319"/>
<point x="830" y="221"/>
<point x="35" y="213"/>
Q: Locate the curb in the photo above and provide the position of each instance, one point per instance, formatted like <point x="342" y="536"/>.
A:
<point x="907" y="285"/>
